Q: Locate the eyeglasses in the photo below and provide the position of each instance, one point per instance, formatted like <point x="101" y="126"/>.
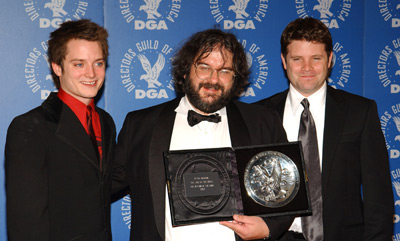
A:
<point x="204" y="72"/>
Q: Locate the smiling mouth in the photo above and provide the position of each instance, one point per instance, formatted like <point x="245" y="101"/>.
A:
<point x="210" y="87"/>
<point x="88" y="82"/>
<point x="307" y="76"/>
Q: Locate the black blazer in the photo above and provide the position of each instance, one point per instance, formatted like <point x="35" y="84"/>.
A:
<point x="55" y="189"/>
<point x="356" y="185"/>
<point x="147" y="133"/>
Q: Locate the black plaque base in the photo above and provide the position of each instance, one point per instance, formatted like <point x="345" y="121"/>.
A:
<point x="206" y="185"/>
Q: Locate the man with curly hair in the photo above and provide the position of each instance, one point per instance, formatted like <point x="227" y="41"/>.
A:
<point x="209" y="71"/>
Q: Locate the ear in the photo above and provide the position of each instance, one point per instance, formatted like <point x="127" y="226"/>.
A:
<point x="283" y="61"/>
<point x="330" y="60"/>
<point x="57" y="69"/>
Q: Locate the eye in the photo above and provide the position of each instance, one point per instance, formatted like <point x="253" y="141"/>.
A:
<point x="203" y="67"/>
<point x="78" y="65"/>
<point x="99" y="64"/>
<point x="225" y="72"/>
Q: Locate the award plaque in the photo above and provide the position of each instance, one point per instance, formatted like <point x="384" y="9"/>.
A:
<point x="206" y="185"/>
<point x="203" y="184"/>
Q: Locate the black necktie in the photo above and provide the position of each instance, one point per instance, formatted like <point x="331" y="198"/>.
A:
<point x="91" y="133"/>
<point x="195" y="118"/>
<point x="311" y="225"/>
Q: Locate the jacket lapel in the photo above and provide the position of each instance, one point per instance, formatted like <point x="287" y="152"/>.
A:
<point x="335" y="116"/>
<point x="278" y="102"/>
<point x="68" y="127"/>
<point x="72" y="133"/>
<point x="106" y="140"/>
<point x="160" y="142"/>
<point x="237" y="127"/>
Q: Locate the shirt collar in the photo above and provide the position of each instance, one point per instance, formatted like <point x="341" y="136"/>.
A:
<point x="316" y="100"/>
<point x="75" y="105"/>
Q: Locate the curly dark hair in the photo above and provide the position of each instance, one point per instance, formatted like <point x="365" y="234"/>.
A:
<point x="309" y="29"/>
<point x="199" y="46"/>
<point x="80" y="29"/>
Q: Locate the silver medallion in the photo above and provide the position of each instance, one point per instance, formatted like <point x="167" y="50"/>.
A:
<point x="271" y="179"/>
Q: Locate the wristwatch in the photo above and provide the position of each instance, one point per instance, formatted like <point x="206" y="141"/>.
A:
<point x="268" y="238"/>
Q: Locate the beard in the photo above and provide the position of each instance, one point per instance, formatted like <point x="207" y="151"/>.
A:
<point x="219" y="100"/>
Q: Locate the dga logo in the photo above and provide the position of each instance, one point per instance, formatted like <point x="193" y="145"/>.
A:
<point x="332" y="13"/>
<point x="150" y="14"/>
<point x="36" y="72"/>
<point x="396" y="184"/>
<point x="126" y="210"/>
<point x="390" y="124"/>
<point x="142" y="67"/>
<point x="257" y="62"/>
<point x="341" y="67"/>
<point x="390" y="10"/>
<point x="388" y="67"/>
<point x="51" y="13"/>
<point x="239" y="14"/>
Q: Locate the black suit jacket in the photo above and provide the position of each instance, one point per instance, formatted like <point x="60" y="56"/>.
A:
<point x="354" y="157"/>
<point x="55" y="189"/>
<point x="147" y="133"/>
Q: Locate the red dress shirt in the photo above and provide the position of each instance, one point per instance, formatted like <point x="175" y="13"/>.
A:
<point x="79" y="109"/>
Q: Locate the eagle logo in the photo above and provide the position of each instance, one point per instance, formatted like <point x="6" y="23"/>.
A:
<point x="152" y="73"/>
<point x="269" y="178"/>
<point x="239" y="8"/>
<point x="324" y="8"/>
<point x="396" y="185"/>
<point x="396" y="120"/>
<point x="397" y="55"/>
<point x="249" y="59"/>
<point x="150" y="8"/>
<point x="57" y="7"/>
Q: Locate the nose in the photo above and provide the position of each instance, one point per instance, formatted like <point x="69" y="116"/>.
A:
<point x="90" y="72"/>
<point x="214" y="77"/>
<point x="307" y="66"/>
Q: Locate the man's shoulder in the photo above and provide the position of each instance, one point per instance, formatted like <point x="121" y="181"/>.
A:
<point x="48" y="107"/>
<point x="348" y="98"/>
<point x="153" y="111"/>
<point x="256" y="114"/>
<point x="29" y="121"/>
<point x="252" y="108"/>
<point x="273" y="100"/>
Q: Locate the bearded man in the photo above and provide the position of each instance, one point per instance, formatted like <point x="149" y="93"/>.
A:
<point x="209" y="71"/>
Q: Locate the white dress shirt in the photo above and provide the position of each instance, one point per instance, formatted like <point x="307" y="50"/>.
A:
<point x="291" y="122"/>
<point x="203" y="135"/>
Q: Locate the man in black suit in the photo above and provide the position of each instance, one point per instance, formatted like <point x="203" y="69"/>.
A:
<point x="209" y="70"/>
<point x="357" y="199"/>
<point x="58" y="155"/>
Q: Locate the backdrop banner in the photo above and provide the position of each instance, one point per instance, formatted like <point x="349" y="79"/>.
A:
<point x="366" y="41"/>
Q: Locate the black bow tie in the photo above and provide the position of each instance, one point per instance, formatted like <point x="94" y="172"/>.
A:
<point x="195" y="118"/>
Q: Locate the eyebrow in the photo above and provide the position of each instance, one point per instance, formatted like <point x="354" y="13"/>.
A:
<point x="100" y="59"/>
